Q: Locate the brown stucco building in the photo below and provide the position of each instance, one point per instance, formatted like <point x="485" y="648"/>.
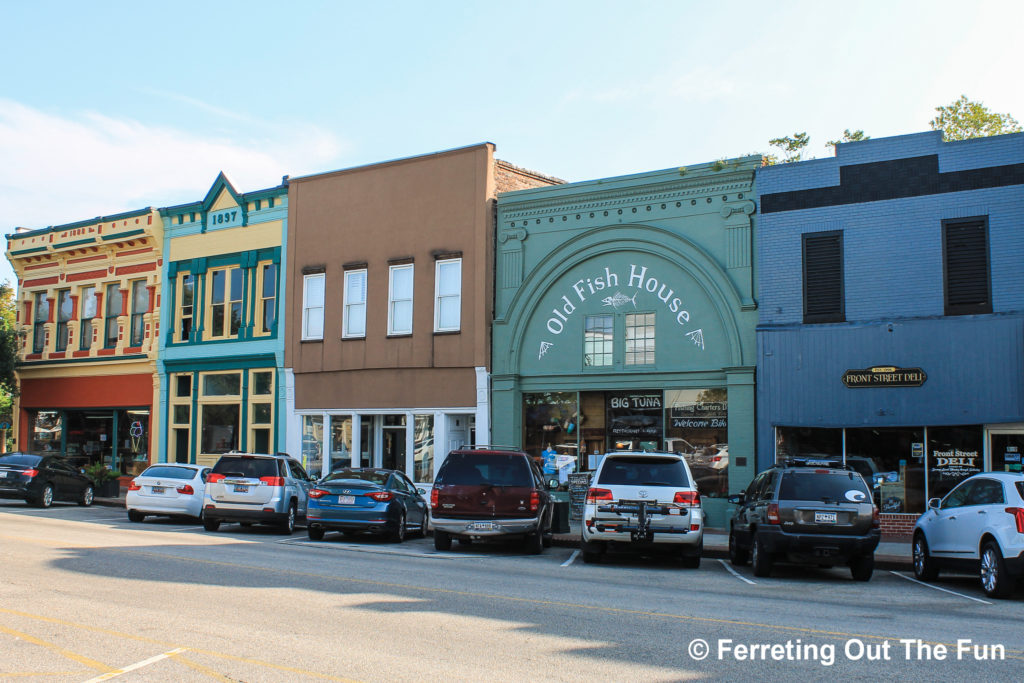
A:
<point x="389" y="308"/>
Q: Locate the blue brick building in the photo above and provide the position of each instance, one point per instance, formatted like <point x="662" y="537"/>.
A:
<point x="891" y="312"/>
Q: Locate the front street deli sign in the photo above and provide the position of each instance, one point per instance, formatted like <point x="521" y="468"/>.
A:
<point x="884" y="376"/>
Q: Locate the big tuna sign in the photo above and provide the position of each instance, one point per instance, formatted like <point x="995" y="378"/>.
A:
<point x="616" y="292"/>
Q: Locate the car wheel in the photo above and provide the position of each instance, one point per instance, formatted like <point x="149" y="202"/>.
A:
<point x="397" y="534"/>
<point x="288" y="525"/>
<point x="424" y="526"/>
<point x="690" y="557"/>
<point x="862" y="567"/>
<point x="442" y="540"/>
<point x="211" y="524"/>
<point x="760" y="559"/>
<point x="135" y="516"/>
<point x="87" y="496"/>
<point x="45" y="498"/>
<point x="925" y="567"/>
<point x="534" y="543"/>
<point x="316" y="533"/>
<point x="737" y="555"/>
<point x="592" y="552"/>
<point x="994" y="579"/>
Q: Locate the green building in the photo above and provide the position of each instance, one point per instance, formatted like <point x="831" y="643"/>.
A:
<point x="625" y="318"/>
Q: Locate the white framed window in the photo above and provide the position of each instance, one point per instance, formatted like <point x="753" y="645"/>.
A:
<point x="400" y="299"/>
<point x="313" y="306"/>
<point x="448" y="295"/>
<point x="353" y="322"/>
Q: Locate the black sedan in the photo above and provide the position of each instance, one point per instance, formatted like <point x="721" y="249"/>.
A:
<point x="356" y="499"/>
<point x="42" y="479"/>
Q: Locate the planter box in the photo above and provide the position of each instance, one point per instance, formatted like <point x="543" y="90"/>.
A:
<point x="108" y="489"/>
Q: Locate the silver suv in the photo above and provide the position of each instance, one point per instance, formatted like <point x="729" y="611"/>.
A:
<point x="251" y="488"/>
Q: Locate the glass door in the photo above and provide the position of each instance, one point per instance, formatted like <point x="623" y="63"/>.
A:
<point x="1006" y="449"/>
<point x="393" y="443"/>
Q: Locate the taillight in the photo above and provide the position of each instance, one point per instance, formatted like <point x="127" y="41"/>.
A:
<point x="381" y="496"/>
<point x="214" y="478"/>
<point x="134" y="486"/>
<point x="534" y="501"/>
<point x="318" y="493"/>
<point x="876" y="521"/>
<point x="433" y="498"/>
<point x="30" y="473"/>
<point x="271" y="481"/>
<point x="185" y="490"/>
<point x="594" y="495"/>
<point x="773" y="513"/>
<point x="1018" y="514"/>
<point x="717" y="458"/>
<point x="687" y="498"/>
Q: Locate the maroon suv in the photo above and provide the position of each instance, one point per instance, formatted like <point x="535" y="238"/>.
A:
<point x="490" y="494"/>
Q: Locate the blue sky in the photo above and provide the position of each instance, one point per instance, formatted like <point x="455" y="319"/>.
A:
<point x="113" y="106"/>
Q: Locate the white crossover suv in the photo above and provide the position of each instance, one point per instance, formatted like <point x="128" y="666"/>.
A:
<point x="643" y="501"/>
<point x="978" y="527"/>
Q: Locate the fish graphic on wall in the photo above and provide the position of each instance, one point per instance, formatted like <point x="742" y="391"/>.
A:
<point x="619" y="300"/>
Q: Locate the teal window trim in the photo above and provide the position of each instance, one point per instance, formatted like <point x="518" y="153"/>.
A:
<point x="193" y="437"/>
<point x="243" y="437"/>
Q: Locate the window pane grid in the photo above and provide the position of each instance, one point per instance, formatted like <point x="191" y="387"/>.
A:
<point x="598" y="341"/>
<point x="400" y="300"/>
<point x="448" y="305"/>
<point x="313" y="307"/>
<point x="355" y="304"/>
<point x="639" y="339"/>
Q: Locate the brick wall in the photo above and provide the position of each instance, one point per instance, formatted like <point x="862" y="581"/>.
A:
<point x="509" y="178"/>
<point x="897" y="527"/>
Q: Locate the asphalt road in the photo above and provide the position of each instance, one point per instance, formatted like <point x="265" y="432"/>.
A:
<point x="86" y="595"/>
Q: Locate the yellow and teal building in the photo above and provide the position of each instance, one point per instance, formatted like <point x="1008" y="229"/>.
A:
<point x="221" y="346"/>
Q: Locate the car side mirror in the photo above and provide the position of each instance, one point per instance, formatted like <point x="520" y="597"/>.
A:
<point x="422" y="492"/>
<point x="933" y="503"/>
<point x="552" y="483"/>
<point x="736" y="499"/>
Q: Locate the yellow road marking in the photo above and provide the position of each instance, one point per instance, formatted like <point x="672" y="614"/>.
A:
<point x="201" y="669"/>
<point x="28" y="674"/>
<point x="85" y="661"/>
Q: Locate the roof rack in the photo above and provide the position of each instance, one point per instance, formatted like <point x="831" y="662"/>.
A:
<point x="831" y="463"/>
<point x="486" y="447"/>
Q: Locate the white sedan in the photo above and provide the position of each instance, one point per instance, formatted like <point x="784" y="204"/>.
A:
<point x="167" y="489"/>
<point x="977" y="527"/>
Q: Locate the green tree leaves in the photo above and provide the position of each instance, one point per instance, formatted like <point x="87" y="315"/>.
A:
<point x="964" y="119"/>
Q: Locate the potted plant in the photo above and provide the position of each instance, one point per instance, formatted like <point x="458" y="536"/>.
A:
<point x="106" y="480"/>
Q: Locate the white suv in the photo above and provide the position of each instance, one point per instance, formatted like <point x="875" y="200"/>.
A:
<point x="977" y="527"/>
<point x="643" y="501"/>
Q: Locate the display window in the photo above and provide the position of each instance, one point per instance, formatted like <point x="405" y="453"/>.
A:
<point x="697" y="425"/>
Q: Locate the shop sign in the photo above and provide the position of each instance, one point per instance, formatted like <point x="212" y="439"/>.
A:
<point x="884" y="376"/>
<point x="955" y="465"/>
<point x="700" y="415"/>
<point x="635" y="415"/>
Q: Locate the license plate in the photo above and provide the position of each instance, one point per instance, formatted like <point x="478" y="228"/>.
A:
<point x="158" y="489"/>
<point x="241" y="489"/>
<point x="5" y="474"/>
<point x="346" y="500"/>
<point x="483" y="526"/>
<point x="825" y="517"/>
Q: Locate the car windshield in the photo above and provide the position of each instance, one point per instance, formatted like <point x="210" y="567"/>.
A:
<point x="170" y="472"/>
<point x="371" y="476"/>
<point x="830" y="487"/>
<point x="475" y="469"/>
<point x="643" y="471"/>
<point x="241" y="466"/>
<point x="26" y="459"/>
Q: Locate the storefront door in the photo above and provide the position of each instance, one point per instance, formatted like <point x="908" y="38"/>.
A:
<point x="1005" y="451"/>
<point x="393" y="442"/>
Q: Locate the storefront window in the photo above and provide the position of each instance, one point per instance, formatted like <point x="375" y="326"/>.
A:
<point x="1006" y="452"/>
<point x="91" y="438"/>
<point x="635" y="420"/>
<point x="341" y="442"/>
<point x="132" y="441"/>
<point x="954" y="453"/>
<point x="46" y="431"/>
<point x="423" y="449"/>
<point x="220" y="428"/>
<point x="550" y="420"/>
<point x="891" y="461"/>
<point x="808" y="442"/>
<point x="697" y="425"/>
<point x="313" y="444"/>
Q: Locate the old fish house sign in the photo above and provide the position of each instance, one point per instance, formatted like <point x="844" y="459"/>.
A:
<point x="884" y="376"/>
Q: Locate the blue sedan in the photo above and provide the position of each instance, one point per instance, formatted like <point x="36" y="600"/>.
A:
<point x="358" y="499"/>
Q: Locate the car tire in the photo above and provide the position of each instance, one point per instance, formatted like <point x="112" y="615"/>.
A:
<point x="925" y="567"/>
<point x="424" y="526"/>
<point x="737" y="556"/>
<point x="994" y="580"/>
<point x="211" y="524"/>
<point x="397" y="535"/>
<point x="88" y="494"/>
<point x="690" y="561"/>
<point x="862" y="567"/>
<point x="135" y="516"/>
<point x="592" y="552"/>
<point x="534" y="543"/>
<point x="288" y="525"/>
<point x="760" y="559"/>
<point x="45" y="498"/>
<point x="315" y="533"/>
<point x="442" y="540"/>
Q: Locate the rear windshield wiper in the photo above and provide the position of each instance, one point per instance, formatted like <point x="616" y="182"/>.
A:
<point x="655" y="483"/>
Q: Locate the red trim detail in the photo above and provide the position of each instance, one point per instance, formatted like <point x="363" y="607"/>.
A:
<point x="41" y="281"/>
<point x="139" y="268"/>
<point x="88" y="275"/>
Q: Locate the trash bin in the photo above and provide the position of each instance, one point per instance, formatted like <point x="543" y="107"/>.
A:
<point x="560" y="523"/>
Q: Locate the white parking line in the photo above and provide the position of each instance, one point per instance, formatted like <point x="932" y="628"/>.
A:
<point x="122" y="518"/>
<point x="434" y="554"/>
<point x="571" y="558"/>
<point x="938" y="588"/>
<point x="137" y="665"/>
<point x="737" y="574"/>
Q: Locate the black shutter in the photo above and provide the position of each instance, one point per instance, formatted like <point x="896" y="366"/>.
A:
<point x="823" y="278"/>
<point x="965" y="250"/>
